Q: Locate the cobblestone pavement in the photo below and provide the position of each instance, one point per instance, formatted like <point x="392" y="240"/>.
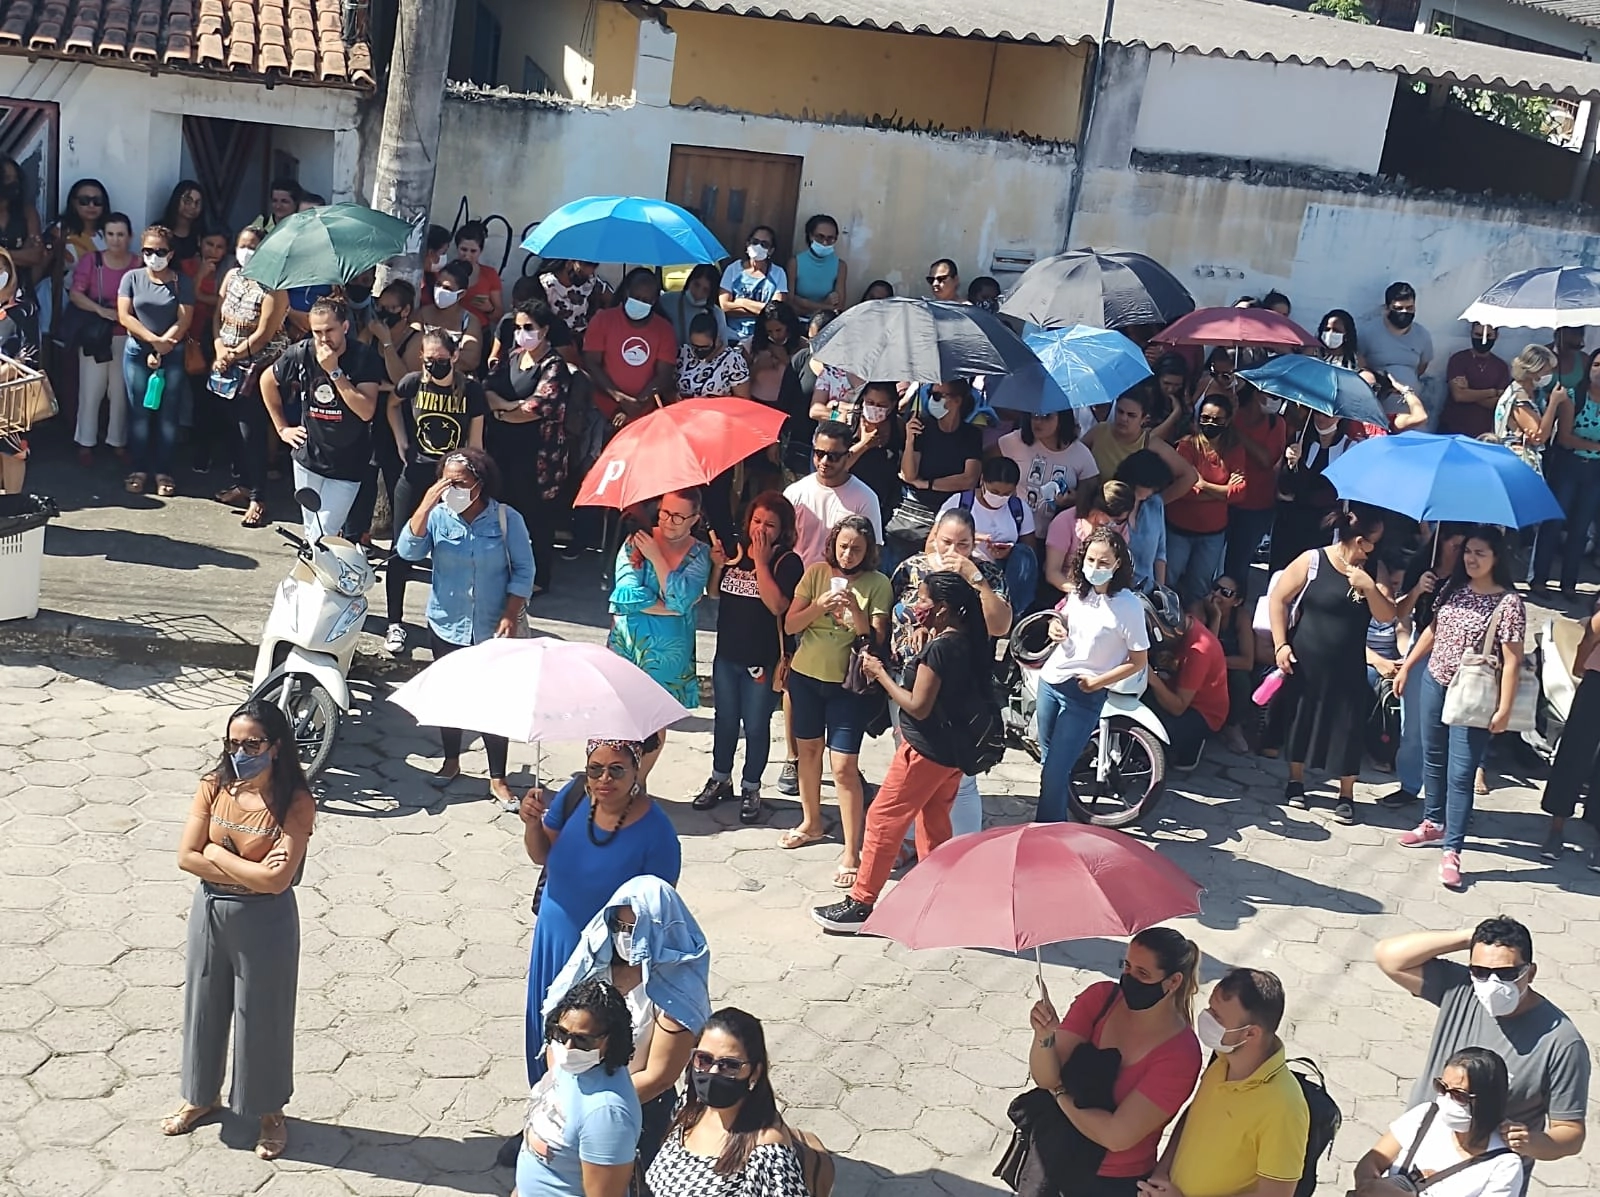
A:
<point x="415" y="938"/>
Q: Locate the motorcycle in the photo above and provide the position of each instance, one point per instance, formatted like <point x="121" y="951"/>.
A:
<point x="310" y="638"/>
<point x="1122" y="772"/>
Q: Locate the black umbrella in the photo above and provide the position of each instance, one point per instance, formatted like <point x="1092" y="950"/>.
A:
<point x="1109" y="288"/>
<point x="920" y="340"/>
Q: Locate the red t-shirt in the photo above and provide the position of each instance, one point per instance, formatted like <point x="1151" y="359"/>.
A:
<point x="1261" y="482"/>
<point x="1203" y="668"/>
<point x="487" y="283"/>
<point x="1483" y="372"/>
<point x="630" y="352"/>
<point x="1165" y="1076"/>
<point x="1201" y="517"/>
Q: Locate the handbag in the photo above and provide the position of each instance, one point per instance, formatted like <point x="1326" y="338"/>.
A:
<point x="855" y="677"/>
<point x="88" y="332"/>
<point x="816" y="1164"/>
<point x="1406" y="1179"/>
<point x="780" y="671"/>
<point x="1473" y="695"/>
<point x="194" y="358"/>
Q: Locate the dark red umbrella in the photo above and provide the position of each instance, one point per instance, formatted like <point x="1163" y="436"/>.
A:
<point x="1021" y="887"/>
<point x="1236" y="326"/>
<point x="686" y="444"/>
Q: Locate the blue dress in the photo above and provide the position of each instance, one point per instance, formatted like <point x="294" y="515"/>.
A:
<point x="582" y="876"/>
<point x="661" y="645"/>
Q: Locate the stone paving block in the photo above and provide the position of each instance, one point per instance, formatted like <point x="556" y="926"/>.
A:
<point x="878" y="1107"/>
<point x="74" y="1123"/>
<point x="78" y="1076"/>
<point x="59" y="1172"/>
<point x="21" y="1007"/>
<point x="20" y="1053"/>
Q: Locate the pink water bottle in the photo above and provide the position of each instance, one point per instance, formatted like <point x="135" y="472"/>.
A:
<point x="1269" y="686"/>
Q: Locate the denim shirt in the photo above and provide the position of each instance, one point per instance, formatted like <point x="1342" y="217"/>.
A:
<point x="474" y="569"/>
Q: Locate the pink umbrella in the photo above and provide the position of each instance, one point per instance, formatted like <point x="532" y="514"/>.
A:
<point x="1236" y="326"/>
<point x="540" y="689"/>
<point x="1021" y="887"/>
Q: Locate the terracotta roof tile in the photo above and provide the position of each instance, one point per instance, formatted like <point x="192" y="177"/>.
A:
<point x="299" y="39"/>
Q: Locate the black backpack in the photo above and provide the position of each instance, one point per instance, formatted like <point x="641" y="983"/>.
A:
<point x="1383" y="724"/>
<point x="1325" y="1121"/>
<point x="977" y="734"/>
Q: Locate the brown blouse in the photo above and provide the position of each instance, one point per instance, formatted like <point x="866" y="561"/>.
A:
<point x="246" y="830"/>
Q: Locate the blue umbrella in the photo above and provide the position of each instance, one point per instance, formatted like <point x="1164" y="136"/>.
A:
<point x="622" y="228"/>
<point x="1444" y="478"/>
<point x="1319" y="385"/>
<point x="1092" y="365"/>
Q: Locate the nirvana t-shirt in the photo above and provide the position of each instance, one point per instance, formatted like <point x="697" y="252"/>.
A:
<point x="949" y="656"/>
<point x="747" y="631"/>
<point x="338" y="442"/>
<point x="438" y="418"/>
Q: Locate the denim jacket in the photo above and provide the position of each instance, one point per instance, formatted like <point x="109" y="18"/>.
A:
<point x="474" y="569"/>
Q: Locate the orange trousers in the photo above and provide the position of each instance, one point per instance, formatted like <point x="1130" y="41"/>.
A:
<point x="915" y="789"/>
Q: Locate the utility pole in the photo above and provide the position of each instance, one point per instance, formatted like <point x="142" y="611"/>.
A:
<point x="412" y="105"/>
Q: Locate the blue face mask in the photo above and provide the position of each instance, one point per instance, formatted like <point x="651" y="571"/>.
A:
<point x="246" y="766"/>
<point x="1098" y="575"/>
<point x="822" y="251"/>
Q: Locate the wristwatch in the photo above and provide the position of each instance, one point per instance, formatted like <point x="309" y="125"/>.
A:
<point x="335" y="374"/>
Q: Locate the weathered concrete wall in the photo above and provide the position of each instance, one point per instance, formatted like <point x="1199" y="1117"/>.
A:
<point x="1224" y="237"/>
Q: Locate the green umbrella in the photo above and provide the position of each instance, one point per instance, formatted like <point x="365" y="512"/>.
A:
<point x="326" y="245"/>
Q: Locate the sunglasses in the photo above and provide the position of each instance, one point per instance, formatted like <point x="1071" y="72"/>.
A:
<point x="254" y="746"/>
<point x="1510" y="974"/>
<point x="1224" y="591"/>
<point x="86" y="201"/>
<point x="577" y="1042"/>
<point x="939" y="278"/>
<point x="614" y="772"/>
<point x="619" y="925"/>
<point x="155" y="251"/>
<point x="725" y="1065"/>
<point x="832" y="456"/>
<point x="1444" y="1090"/>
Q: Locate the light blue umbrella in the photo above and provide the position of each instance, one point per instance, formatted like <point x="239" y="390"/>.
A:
<point x="623" y="228"/>
<point x="1443" y="478"/>
<point x="1091" y="365"/>
<point x="1319" y="385"/>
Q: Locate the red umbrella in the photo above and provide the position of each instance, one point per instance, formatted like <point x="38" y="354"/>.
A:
<point x="1236" y="326"/>
<point x="1021" y="887"/>
<point x="686" y="444"/>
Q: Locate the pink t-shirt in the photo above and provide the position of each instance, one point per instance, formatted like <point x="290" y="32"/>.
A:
<point x="1165" y="1076"/>
<point x="110" y="280"/>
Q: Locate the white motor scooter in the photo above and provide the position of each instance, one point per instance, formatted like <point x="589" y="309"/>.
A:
<point x="310" y="638"/>
<point x="1123" y="769"/>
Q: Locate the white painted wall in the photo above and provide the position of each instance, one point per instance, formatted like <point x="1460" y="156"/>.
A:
<point x="124" y="127"/>
<point x="1331" y="117"/>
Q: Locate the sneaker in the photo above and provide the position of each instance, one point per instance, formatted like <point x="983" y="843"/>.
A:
<point x="712" y="793"/>
<point x="842" y="918"/>
<point x="1552" y="846"/>
<point x="750" y="806"/>
<point x="1294" y="793"/>
<point x="1450" y="869"/>
<point x="1592" y="860"/>
<point x="1344" y="811"/>
<point x="1397" y="798"/>
<point x="512" y="805"/>
<point x="789" y="779"/>
<point x="395" y="641"/>
<point x="1423" y="835"/>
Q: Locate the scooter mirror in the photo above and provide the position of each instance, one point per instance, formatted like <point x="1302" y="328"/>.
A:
<point x="308" y="498"/>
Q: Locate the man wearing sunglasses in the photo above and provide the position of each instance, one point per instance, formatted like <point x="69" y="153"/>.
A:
<point x="1490" y="1002"/>
<point x="824" y="497"/>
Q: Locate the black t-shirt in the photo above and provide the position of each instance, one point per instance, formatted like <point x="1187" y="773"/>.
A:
<point x="747" y="632"/>
<point x="949" y="656"/>
<point x="942" y="454"/>
<point x="558" y="335"/>
<point x="338" y="442"/>
<point x="438" y="418"/>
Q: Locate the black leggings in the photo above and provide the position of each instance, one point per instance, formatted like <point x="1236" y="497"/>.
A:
<point x="494" y="747"/>
<point x="414" y="483"/>
<point x="386" y="473"/>
<point x="252" y="431"/>
<point x="1577" y="757"/>
<point x="521" y="493"/>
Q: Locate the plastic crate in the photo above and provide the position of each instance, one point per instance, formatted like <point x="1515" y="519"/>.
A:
<point x="21" y="558"/>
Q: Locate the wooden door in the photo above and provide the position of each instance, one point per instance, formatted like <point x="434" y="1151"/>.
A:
<point x="732" y="191"/>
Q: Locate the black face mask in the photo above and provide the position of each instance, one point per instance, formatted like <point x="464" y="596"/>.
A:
<point x="1211" y="429"/>
<point x="1483" y="344"/>
<point x="1402" y="319"/>
<point x="1140" y="995"/>
<point x="438" y="368"/>
<point x="389" y="318"/>
<point x="357" y="293"/>
<point x="718" y="1092"/>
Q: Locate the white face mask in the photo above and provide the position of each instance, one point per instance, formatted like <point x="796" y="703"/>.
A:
<point x="874" y="415"/>
<point x="1456" y="1115"/>
<point x="564" y="1059"/>
<point x="527" y="338"/>
<point x="1498" y="997"/>
<point x="458" y="498"/>
<point x="994" y="498"/>
<point x="1333" y="339"/>
<point x="443" y="297"/>
<point x="243" y="254"/>
<point x="622" y="944"/>
<point x="1272" y="405"/>
<point x="938" y="409"/>
<point x="758" y="252"/>
<point x="636" y="309"/>
<point x="1211" y="1031"/>
<point x="156" y="262"/>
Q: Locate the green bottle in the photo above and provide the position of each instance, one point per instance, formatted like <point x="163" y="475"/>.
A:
<point x="155" y="389"/>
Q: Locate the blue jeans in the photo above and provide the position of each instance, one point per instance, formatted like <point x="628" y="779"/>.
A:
<point x="1577" y="488"/>
<point x="1067" y="718"/>
<point x="1246" y="530"/>
<point x="741" y="700"/>
<point x="1022" y="579"/>
<point x="152" y="435"/>
<point x="1194" y="562"/>
<point x="1450" y="760"/>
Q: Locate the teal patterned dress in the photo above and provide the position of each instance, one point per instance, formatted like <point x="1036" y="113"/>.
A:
<point x="661" y="645"/>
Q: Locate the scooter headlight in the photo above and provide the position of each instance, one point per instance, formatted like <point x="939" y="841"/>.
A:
<point x="350" y="581"/>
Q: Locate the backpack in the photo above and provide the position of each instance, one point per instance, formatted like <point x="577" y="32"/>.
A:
<point x="1324" y="1125"/>
<point x="968" y="497"/>
<point x="1383" y="724"/>
<point x="978" y="735"/>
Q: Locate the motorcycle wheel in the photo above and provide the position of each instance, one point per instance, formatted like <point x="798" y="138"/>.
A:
<point x="312" y="713"/>
<point x="1134" y="780"/>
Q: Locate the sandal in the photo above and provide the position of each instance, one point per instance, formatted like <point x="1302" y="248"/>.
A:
<point x="134" y="484"/>
<point x="185" y="1118"/>
<point x="233" y="495"/>
<point x="274" y="1137"/>
<point x="844" y="878"/>
<point x="165" y="486"/>
<point x="795" y="838"/>
<point x="254" y="517"/>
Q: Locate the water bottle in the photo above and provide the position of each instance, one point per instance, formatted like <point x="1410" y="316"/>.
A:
<point x="1269" y="686"/>
<point x="155" y="389"/>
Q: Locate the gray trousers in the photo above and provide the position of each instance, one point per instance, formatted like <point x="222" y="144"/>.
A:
<point x="242" y="974"/>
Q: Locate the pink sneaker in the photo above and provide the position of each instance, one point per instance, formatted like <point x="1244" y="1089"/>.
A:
<point x="1423" y="835"/>
<point x="1450" y="869"/>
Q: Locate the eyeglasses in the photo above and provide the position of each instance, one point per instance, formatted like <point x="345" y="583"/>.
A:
<point x="725" y="1065"/>
<point x="673" y="518"/>
<point x="577" y="1042"/>
<point x="1224" y="591"/>
<point x="832" y="456"/>
<point x="1510" y="974"/>
<point x="614" y="772"/>
<point x="1444" y="1090"/>
<point x="254" y="746"/>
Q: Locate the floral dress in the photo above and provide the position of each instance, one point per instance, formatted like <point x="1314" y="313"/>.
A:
<point x="661" y="645"/>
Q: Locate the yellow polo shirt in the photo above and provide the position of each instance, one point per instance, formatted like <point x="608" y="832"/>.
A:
<point x="1236" y="1131"/>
